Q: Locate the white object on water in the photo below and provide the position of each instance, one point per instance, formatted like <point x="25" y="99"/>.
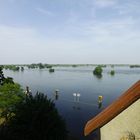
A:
<point x="57" y="90"/>
<point x="74" y="94"/>
<point x="78" y="94"/>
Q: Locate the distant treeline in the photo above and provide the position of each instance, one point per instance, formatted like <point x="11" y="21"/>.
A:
<point x="49" y="66"/>
<point x="29" y="66"/>
<point x="39" y="65"/>
<point x="13" y="67"/>
<point x="134" y="66"/>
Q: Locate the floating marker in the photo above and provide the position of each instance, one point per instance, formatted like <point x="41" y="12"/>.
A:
<point x="56" y="94"/>
<point x="100" y="99"/>
<point x="28" y="91"/>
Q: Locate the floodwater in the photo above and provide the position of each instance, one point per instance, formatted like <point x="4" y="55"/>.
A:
<point x="68" y="80"/>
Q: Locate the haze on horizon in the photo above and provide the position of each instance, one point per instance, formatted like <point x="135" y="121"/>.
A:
<point x="70" y="31"/>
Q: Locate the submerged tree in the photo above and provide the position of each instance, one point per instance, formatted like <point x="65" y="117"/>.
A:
<point x="112" y="72"/>
<point x="22" y="68"/>
<point x="98" y="71"/>
<point x="51" y="70"/>
<point x="41" y="66"/>
<point x="35" y="119"/>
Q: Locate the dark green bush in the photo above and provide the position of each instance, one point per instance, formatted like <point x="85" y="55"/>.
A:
<point x="98" y="71"/>
<point x="51" y="70"/>
<point x="35" y="119"/>
<point x="112" y="72"/>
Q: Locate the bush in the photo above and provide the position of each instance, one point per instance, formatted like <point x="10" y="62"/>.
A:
<point x="35" y="119"/>
<point x="41" y="66"/>
<point x="112" y="72"/>
<point x="4" y="80"/>
<point x="22" y="68"/>
<point x="10" y="95"/>
<point x="51" y="70"/>
<point x="98" y="71"/>
<point x="1" y="76"/>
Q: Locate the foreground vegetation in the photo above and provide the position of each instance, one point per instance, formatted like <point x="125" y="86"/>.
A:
<point x="36" y="118"/>
<point x="27" y="117"/>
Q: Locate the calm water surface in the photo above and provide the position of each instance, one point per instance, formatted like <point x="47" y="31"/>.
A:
<point x="81" y="80"/>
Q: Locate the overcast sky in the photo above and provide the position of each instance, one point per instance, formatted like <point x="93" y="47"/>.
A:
<point x="70" y="31"/>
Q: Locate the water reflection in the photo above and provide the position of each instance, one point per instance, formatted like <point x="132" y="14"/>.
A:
<point x="76" y="97"/>
<point x="98" y="76"/>
<point x="76" y="108"/>
<point x="99" y="105"/>
<point x="56" y="94"/>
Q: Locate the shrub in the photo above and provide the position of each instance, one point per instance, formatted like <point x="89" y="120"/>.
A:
<point x="35" y="119"/>
<point x="112" y="72"/>
<point x="98" y="71"/>
<point x="10" y="95"/>
<point x="1" y="76"/>
<point x="51" y="70"/>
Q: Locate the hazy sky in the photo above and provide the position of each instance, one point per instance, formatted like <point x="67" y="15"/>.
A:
<point x="69" y="31"/>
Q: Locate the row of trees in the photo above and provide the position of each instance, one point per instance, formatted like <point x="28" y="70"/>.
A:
<point x="134" y="66"/>
<point x="39" y="65"/>
<point x="13" y="67"/>
<point x="31" y="66"/>
<point x="29" y="117"/>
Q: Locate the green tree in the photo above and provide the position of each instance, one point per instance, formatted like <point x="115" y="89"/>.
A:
<point x="1" y="76"/>
<point x="10" y="95"/>
<point x="112" y="72"/>
<point x="41" y="66"/>
<point x="98" y="71"/>
<point x="51" y="70"/>
<point x="4" y="80"/>
<point x="22" y="68"/>
<point x="35" y="119"/>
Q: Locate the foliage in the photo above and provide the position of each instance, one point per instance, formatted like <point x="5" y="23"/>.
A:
<point x="74" y="66"/>
<point x="8" y="80"/>
<point x="32" y="66"/>
<point x="112" y="66"/>
<point x="48" y="66"/>
<point x="1" y="76"/>
<point x="41" y="66"/>
<point x="134" y="66"/>
<point x="129" y="136"/>
<point x="10" y="95"/>
<point x="103" y="66"/>
<point x="22" y="68"/>
<point x="4" y="80"/>
<point x="35" y="119"/>
<point x="112" y="72"/>
<point x="98" y="71"/>
<point x="51" y="70"/>
<point x="12" y="67"/>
